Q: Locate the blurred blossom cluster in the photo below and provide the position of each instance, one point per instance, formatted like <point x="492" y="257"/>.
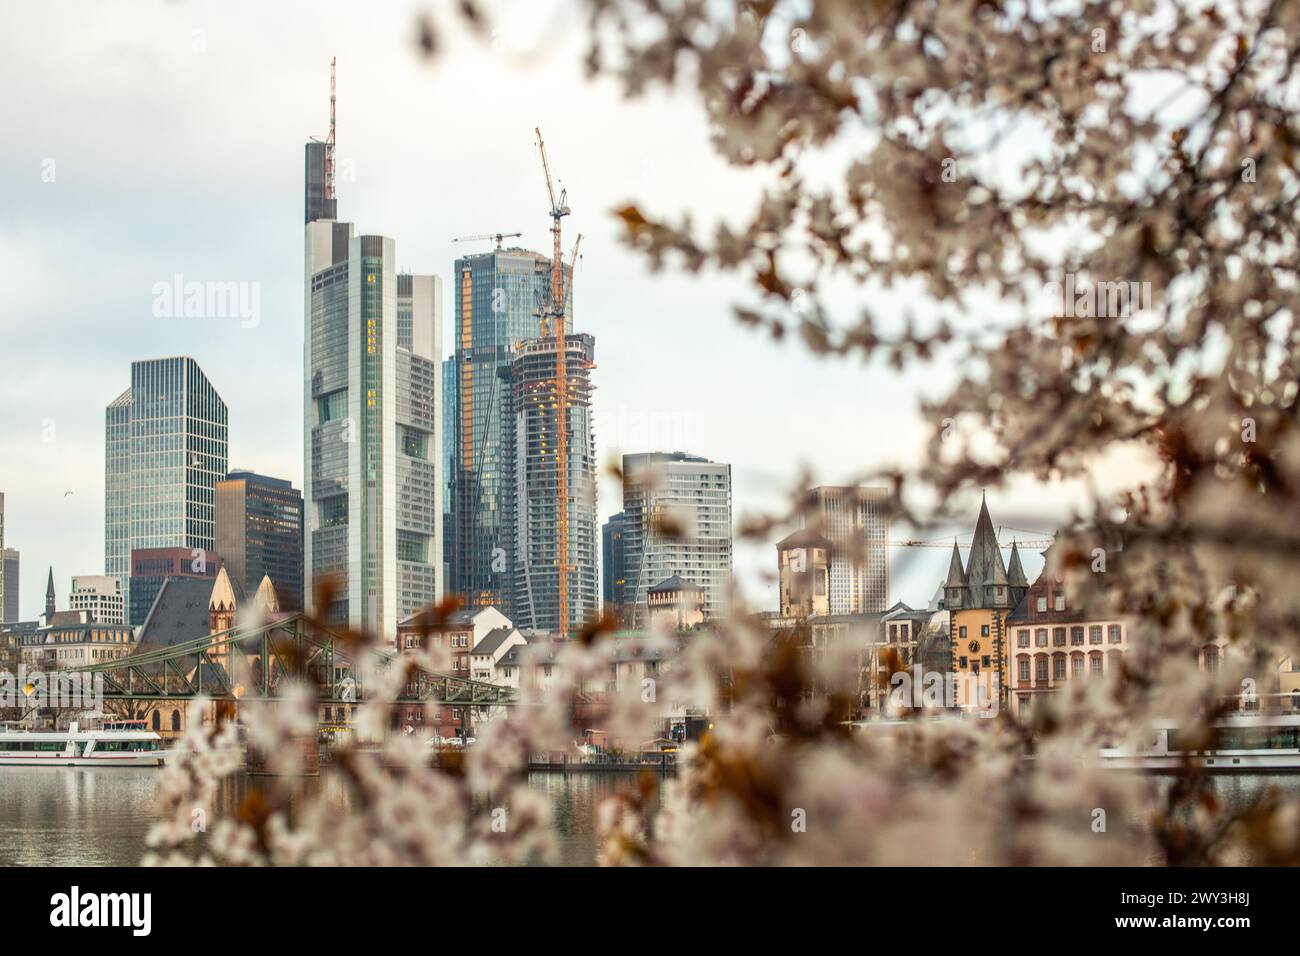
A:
<point x="989" y="148"/>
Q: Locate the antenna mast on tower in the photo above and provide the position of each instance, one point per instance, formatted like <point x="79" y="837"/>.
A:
<point x="329" y="143"/>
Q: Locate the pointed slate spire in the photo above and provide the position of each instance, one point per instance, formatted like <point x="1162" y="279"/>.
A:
<point x="49" y="596"/>
<point x="985" y="567"/>
<point x="956" y="576"/>
<point x="1016" y="573"/>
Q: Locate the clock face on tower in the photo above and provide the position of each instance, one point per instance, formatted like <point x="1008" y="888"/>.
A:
<point x="973" y="647"/>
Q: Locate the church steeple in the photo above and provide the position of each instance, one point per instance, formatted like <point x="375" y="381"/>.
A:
<point x="49" y="597"/>
<point x="221" y="603"/>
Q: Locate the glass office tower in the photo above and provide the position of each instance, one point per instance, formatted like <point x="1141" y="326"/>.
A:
<point x="166" y="441"/>
<point x="497" y="298"/>
<point x="372" y="438"/>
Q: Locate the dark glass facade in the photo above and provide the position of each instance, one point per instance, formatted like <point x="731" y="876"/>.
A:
<point x="259" y="534"/>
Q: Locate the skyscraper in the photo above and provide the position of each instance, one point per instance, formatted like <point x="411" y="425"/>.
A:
<point x="856" y="523"/>
<point x="611" y="560"/>
<point x="677" y="520"/>
<point x="259" y="533"/>
<point x="8" y="574"/>
<point x="372" y="441"/>
<point x="165" y="448"/>
<point x="497" y="298"/>
<point x="9" y="563"/>
<point x="532" y="443"/>
<point x="449" y="419"/>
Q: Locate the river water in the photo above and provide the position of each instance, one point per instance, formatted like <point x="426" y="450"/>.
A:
<point x="73" y="816"/>
<point x="99" y="816"/>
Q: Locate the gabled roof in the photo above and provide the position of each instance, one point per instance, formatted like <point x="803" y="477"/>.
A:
<point x="902" y="610"/>
<point x="179" y="614"/>
<point x="803" y="538"/>
<point x="674" y="583"/>
<point x="492" y="640"/>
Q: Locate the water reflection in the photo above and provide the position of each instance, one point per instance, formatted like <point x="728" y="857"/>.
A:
<point x="97" y="816"/>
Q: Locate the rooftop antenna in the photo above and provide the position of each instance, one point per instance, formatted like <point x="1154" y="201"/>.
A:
<point x="329" y="143"/>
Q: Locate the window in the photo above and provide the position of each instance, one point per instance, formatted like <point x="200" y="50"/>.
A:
<point x="1058" y="667"/>
<point x="1094" y="634"/>
<point x="1058" y="637"/>
<point x="176" y="720"/>
<point x="1096" y="663"/>
<point x="1040" y="637"/>
<point x="1040" y="605"/>
<point x="1059" y="601"/>
<point x="1040" y="669"/>
<point x="1076" y="664"/>
<point x="961" y="631"/>
<point x="1022" y="637"/>
<point x="963" y="661"/>
<point x="986" y="661"/>
<point x="1114" y="634"/>
<point x="156" y="720"/>
<point x="1076" y="635"/>
<point x="984" y="630"/>
<point x="1023" y="668"/>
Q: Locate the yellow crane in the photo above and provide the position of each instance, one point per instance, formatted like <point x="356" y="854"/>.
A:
<point x="552" y="323"/>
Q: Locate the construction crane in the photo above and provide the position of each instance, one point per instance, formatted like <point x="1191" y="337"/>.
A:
<point x="1031" y="544"/>
<point x="329" y="143"/>
<point x="552" y="323"/>
<point x="498" y="236"/>
<point x="573" y="265"/>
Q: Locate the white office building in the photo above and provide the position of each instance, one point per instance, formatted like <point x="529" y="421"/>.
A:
<point x="677" y="521"/>
<point x="101" y="595"/>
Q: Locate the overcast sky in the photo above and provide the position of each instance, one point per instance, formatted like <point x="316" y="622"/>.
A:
<point x="145" y="140"/>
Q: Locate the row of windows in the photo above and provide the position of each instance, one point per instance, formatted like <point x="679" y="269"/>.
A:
<point x="1058" y="666"/>
<point x="1114" y="632"/>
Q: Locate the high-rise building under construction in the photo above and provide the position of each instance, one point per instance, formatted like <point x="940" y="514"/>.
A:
<point x="497" y="297"/>
<point x="541" y="528"/>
